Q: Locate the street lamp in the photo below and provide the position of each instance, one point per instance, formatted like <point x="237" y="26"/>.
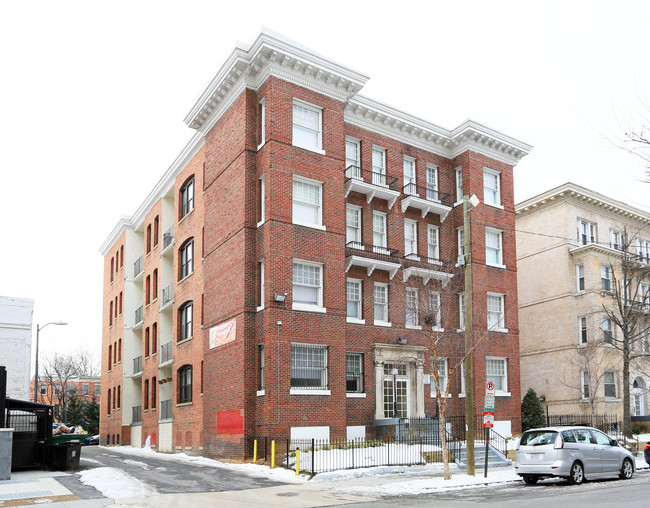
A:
<point x="394" y="372"/>
<point x="38" y="329"/>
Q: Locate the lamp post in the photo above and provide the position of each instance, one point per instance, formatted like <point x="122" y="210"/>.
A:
<point x="38" y="329"/>
<point x="394" y="372"/>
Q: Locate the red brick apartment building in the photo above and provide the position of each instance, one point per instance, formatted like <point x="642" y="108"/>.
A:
<point x="280" y="269"/>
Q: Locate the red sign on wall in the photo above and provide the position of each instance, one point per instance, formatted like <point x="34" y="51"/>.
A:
<point x="230" y="422"/>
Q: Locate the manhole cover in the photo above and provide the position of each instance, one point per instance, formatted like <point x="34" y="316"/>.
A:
<point x="287" y="494"/>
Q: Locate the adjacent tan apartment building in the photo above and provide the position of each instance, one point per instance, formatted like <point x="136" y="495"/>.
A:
<point x="570" y="246"/>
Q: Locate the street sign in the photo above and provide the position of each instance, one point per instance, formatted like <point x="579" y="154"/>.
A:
<point x="488" y="420"/>
<point x="490" y="388"/>
<point x="489" y="404"/>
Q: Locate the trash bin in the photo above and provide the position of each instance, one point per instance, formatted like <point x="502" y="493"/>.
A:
<point x="64" y="456"/>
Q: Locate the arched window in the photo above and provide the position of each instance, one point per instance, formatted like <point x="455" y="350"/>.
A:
<point x="117" y="261"/>
<point x="153" y="392"/>
<point x="146" y="342"/>
<point x="108" y="406"/>
<point x="121" y="256"/>
<point x="114" y="352"/>
<point x="148" y="238"/>
<point x="185" y="384"/>
<point x="145" y="397"/>
<point x="119" y="350"/>
<point x="112" y="267"/>
<point x="114" y="398"/>
<point x="110" y="358"/>
<point x="120" y="302"/>
<point x="186" y="259"/>
<point x="154" y="285"/>
<point x="154" y="338"/>
<point x="187" y="197"/>
<point x="116" y="306"/>
<point x="185" y="321"/>
<point x="119" y="392"/>
<point x="110" y="314"/>
<point x="155" y="231"/>
<point x="147" y="290"/>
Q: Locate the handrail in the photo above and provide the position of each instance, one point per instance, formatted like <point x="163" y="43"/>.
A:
<point x="433" y="195"/>
<point x="372" y="177"/>
<point x="371" y="251"/>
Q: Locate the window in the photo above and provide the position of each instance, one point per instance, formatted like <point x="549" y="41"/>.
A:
<point x="262" y="196"/>
<point x="432" y="183"/>
<point x="496" y="371"/>
<point x="115" y="307"/>
<point x="586" y="232"/>
<point x="353" y="292"/>
<point x="307" y="208"/>
<point x="354" y="372"/>
<point x="185" y="384"/>
<point x="410" y="238"/>
<point x="435" y="309"/>
<point x="261" y="118"/>
<point x="120" y="302"/>
<point x="154" y="338"/>
<point x="98" y="389"/>
<point x="608" y="331"/>
<point x="260" y="350"/>
<point x="616" y="239"/>
<point x="307" y="285"/>
<point x="493" y="247"/>
<point x="187" y="197"/>
<point x="412" y="311"/>
<point x="381" y="303"/>
<point x="307" y="125"/>
<point x="119" y="397"/>
<point x="433" y="242"/>
<point x="146" y="342"/>
<point x="609" y="382"/>
<point x="121" y="256"/>
<point x="154" y="285"/>
<point x="112" y="268"/>
<point x="147" y="290"/>
<point x="491" y="187"/>
<point x="185" y="321"/>
<point x="108" y="406"/>
<point x="442" y="377"/>
<point x="461" y="246"/>
<point x="462" y="379"/>
<point x="643" y="250"/>
<point x="496" y="317"/>
<point x="110" y="313"/>
<point x="352" y="158"/>
<point x="584" y="383"/>
<point x="43" y="389"/>
<point x="156" y="227"/>
<point x="606" y="277"/>
<point x="153" y="393"/>
<point x="410" y="186"/>
<point x="396" y="388"/>
<point x="260" y="284"/>
<point x="461" y="311"/>
<point x="117" y="261"/>
<point x="353" y="224"/>
<point x="145" y="397"/>
<point x="379" y="166"/>
<point x="110" y="357"/>
<point x="379" y="238"/>
<point x="186" y="253"/>
<point x="308" y="366"/>
<point x="148" y="238"/>
<point x="582" y="321"/>
<point x="459" y="184"/>
<point x="580" y="275"/>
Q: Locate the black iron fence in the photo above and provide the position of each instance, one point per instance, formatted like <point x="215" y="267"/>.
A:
<point x="610" y="424"/>
<point x="372" y="177"/>
<point x="428" y="193"/>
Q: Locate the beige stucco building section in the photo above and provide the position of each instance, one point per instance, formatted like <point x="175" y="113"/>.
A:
<point x="550" y="304"/>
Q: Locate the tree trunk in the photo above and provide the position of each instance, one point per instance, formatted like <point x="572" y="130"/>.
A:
<point x="443" y="440"/>
<point x="627" y="417"/>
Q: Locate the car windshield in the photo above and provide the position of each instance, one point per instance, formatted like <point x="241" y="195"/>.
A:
<point x="538" y="437"/>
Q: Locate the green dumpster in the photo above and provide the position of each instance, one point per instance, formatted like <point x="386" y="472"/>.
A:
<point x="64" y="456"/>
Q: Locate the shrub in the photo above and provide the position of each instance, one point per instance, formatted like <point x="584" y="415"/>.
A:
<point x="532" y="412"/>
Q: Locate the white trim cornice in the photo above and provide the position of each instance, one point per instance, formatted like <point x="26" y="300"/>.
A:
<point x="584" y="197"/>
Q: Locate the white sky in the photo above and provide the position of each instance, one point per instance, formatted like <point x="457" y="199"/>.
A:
<point x="93" y="96"/>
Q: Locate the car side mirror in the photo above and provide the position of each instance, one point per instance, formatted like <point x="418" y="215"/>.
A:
<point x="614" y="442"/>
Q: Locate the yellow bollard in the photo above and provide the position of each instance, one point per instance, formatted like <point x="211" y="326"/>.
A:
<point x="272" y="454"/>
<point x="255" y="451"/>
<point x="297" y="461"/>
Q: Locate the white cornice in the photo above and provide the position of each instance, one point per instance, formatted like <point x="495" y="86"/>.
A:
<point x="583" y="197"/>
<point x="122" y="225"/>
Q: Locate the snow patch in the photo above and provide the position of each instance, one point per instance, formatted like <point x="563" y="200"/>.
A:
<point x="115" y="483"/>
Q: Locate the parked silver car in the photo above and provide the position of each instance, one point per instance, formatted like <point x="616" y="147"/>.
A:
<point x="575" y="453"/>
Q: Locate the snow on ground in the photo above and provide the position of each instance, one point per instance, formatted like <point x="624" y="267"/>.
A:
<point x="115" y="483"/>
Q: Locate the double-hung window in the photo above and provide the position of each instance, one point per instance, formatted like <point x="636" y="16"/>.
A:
<point x="616" y="239"/>
<point x="435" y="309"/>
<point x="307" y="202"/>
<point x="185" y="320"/>
<point x="461" y="311"/>
<point x="379" y="166"/>
<point x="308" y="286"/>
<point x="608" y="331"/>
<point x="459" y="184"/>
<point x="412" y="308"/>
<point x="411" y="238"/>
<point x="187" y="197"/>
<point x="308" y="367"/>
<point x="379" y="236"/>
<point x="442" y="368"/>
<point x="260" y="350"/>
<point x="354" y="373"/>
<point x="585" y="384"/>
<point x="261" y="113"/>
<point x="185" y="384"/>
<point x="496" y="370"/>
<point x="353" y="224"/>
<point x="353" y="158"/>
<point x="186" y="259"/>
<point x="580" y="277"/>
<point x="496" y="314"/>
<point x="410" y="186"/>
<point x="493" y="247"/>
<point x="381" y="304"/>
<point x="643" y="250"/>
<point x="582" y="323"/>
<point x="586" y="232"/>
<point x="609" y="382"/>
<point x="353" y="292"/>
<point x="491" y="187"/>
<point x="307" y="126"/>
<point x="433" y="242"/>
<point x="461" y="246"/>
<point x="605" y="277"/>
<point x="432" y="183"/>
<point x="260" y="284"/>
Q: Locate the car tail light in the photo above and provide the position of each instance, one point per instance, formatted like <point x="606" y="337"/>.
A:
<point x="559" y="442"/>
<point x="647" y="446"/>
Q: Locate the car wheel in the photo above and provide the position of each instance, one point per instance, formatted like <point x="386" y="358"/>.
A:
<point x="530" y="480"/>
<point x="627" y="470"/>
<point x="577" y="475"/>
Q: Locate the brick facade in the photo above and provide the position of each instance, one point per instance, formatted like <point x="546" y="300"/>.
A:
<point x="236" y="233"/>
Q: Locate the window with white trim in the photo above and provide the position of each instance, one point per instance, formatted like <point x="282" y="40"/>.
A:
<point x="353" y="157"/>
<point x="462" y="378"/>
<point x="608" y="331"/>
<point x="459" y="184"/>
<point x="307" y="126"/>
<point x="410" y="238"/>
<point x="433" y="242"/>
<point x="354" y="372"/>
<point x="187" y="197"/>
<point x="491" y="187"/>
<point x="307" y="202"/>
<point x="580" y="277"/>
<point x="443" y="375"/>
<point x="353" y="292"/>
<point x="461" y="245"/>
<point x="605" y="277"/>
<point x="495" y="311"/>
<point x="586" y="232"/>
<point x="643" y="249"/>
<point x="493" y="247"/>
<point x="584" y="384"/>
<point x="308" y="367"/>
<point x="609" y="383"/>
<point x="379" y="166"/>
<point x="262" y="365"/>
<point x="260" y="275"/>
<point x="186" y="261"/>
<point x="410" y="186"/>
<point x="461" y="311"/>
<point x="582" y="324"/>
<point x="496" y="370"/>
<point x="379" y="237"/>
<point x="412" y="308"/>
<point x="616" y="239"/>
<point x="261" y="112"/>
<point x="435" y="309"/>
<point x="432" y="183"/>
<point x="381" y="303"/>
<point x="185" y="321"/>
<point x="353" y="224"/>
<point x="307" y="285"/>
<point x="262" y="195"/>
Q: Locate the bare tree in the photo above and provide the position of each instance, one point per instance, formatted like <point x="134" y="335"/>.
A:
<point x="636" y="140"/>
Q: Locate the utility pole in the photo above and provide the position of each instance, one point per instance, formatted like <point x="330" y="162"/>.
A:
<point x="469" y="339"/>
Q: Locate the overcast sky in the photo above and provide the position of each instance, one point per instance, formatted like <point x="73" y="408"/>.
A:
<point x="93" y="96"/>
